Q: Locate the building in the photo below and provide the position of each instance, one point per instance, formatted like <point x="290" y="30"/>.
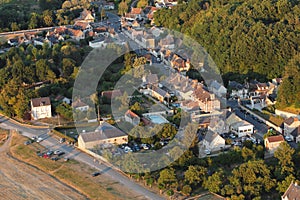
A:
<point x="111" y="94"/>
<point x="238" y="126"/>
<point x="104" y="134"/>
<point x="213" y="141"/>
<point x="292" y="193"/>
<point x="41" y="108"/>
<point x="273" y="142"/>
<point x="132" y="118"/>
<point x="79" y="105"/>
<point x="290" y="124"/>
<point x="159" y="93"/>
<point x="295" y="134"/>
<point x="86" y="16"/>
<point x="218" y="89"/>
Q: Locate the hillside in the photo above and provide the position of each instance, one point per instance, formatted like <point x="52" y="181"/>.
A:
<point x="254" y="38"/>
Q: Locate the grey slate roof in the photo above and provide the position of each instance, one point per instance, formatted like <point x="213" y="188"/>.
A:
<point x="42" y="101"/>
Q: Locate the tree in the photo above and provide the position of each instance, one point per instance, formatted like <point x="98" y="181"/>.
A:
<point x="68" y="66"/>
<point x="14" y="26"/>
<point x="167" y="178"/>
<point x="251" y="179"/>
<point x="47" y="18"/>
<point x="283" y="185"/>
<point x="137" y="108"/>
<point x="186" y="190"/>
<point x="142" y="3"/>
<point x="195" y="174"/>
<point x="214" y="182"/>
<point x="34" y="21"/>
<point x="284" y="154"/>
<point x="123" y="8"/>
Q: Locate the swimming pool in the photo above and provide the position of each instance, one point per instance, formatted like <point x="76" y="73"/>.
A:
<point x="157" y="119"/>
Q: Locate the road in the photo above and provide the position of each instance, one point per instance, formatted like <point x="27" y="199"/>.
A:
<point x="71" y="152"/>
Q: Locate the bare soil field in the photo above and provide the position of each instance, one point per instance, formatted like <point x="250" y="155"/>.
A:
<point x="20" y="181"/>
<point x="24" y="175"/>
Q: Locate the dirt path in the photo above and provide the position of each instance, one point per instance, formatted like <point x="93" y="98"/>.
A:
<point x="21" y="181"/>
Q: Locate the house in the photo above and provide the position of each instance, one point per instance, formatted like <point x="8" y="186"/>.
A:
<point x="79" y="105"/>
<point x="295" y="134"/>
<point x="218" y="89"/>
<point x="76" y="34"/>
<point x="13" y="42"/>
<point x="104" y="134"/>
<point x="111" y="94"/>
<point x="97" y="43"/>
<point x="238" y="90"/>
<point x="41" y="108"/>
<point x="159" y="93"/>
<point x="273" y="142"/>
<point x="290" y="124"/>
<point x="109" y="6"/>
<point x="213" y="141"/>
<point x="84" y="26"/>
<point x="168" y="42"/>
<point x="132" y="118"/>
<point x="207" y="101"/>
<point x="238" y="126"/>
<point x="150" y="80"/>
<point x="292" y="193"/>
<point x="277" y="81"/>
<point x="86" y="16"/>
<point x="63" y="99"/>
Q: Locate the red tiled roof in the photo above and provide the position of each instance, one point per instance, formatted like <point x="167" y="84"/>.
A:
<point x="136" y="11"/>
<point x="131" y="114"/>
<point x="276" y="138"/>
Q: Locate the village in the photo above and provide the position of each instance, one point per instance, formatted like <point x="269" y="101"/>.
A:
<point x="226" y="117"/>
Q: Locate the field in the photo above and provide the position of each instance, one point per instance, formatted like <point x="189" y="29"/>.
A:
<point x="3" y="135"/>
<point x="25" y="175"/>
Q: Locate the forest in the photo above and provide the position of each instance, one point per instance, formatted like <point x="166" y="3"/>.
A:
<point x="244" y="37"/>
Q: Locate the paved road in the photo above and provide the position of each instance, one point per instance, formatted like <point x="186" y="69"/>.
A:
<point x="71" y="152"/>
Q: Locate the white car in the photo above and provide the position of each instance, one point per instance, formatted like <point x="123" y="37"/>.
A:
<point x="288" y="138"/>
<point x="39" y="139"/>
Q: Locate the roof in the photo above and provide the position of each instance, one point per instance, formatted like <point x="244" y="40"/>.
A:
<point x="290" y="120"/>
<point x="131" y="114"/>
<point x="210" y="196"/>
<point x="210" y="136"/>
<point x="240" y="123"/>
<point x="160" y="91"/>
<point x="82" y="25"/>
<point x="103" y="131"/>
<point x="152" y="79"/>
<point x="296" y="132"/>
<point x="293" y="192"/>
<point x="75" y="33"/>
<point x="275" y="138"/>
<point x="78" y="103"/>
<point x="111" y="94"/>
<point x="232" y="118"/>
<point x="202" y="94"/>
<point x="136" y="11"/>
<point x="42" y="101"/>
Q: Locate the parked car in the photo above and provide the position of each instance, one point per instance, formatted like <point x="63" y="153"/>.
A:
<point x="66" y="159"/>
<point x="39" y="139"/>
<point x="62" y="140"/>
<point x="54" y="158"/>
<point x="33" y="138"/>
<point x="96" y="174"/>
<point x="49" y="153"/>
<point x="27" y="142"/>
<point x="288" y="138"/>
<point x="58" y="152"/>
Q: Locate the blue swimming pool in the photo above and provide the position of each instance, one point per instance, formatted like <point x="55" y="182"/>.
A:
<point x="157" y="119"/>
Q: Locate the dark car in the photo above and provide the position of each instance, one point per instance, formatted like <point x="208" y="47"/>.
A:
<point x="54" y="158"/>
<point x="27" y="142"/>
<point x="96" y="174"/>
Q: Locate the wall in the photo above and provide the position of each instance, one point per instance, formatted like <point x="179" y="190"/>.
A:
<point x="285" y="114"/>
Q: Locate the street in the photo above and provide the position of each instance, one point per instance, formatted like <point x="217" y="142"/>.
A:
<point x="73" y="153"/>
